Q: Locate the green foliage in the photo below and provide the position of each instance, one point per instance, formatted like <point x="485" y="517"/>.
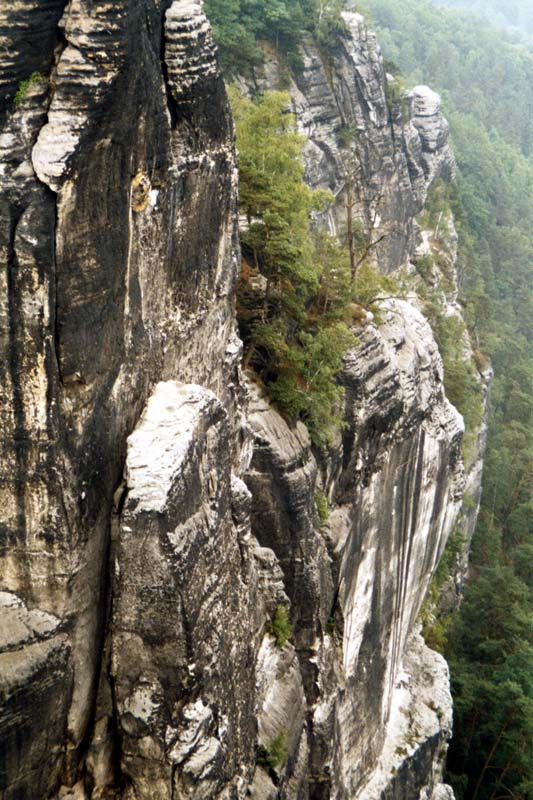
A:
<point x="329" y="24"/>
<point x="296" y="326"/>
<point x="461" y="383"/>
<point x="305" y="385"/>
<point x="391" y="67"/>
<point x="293" y="328"/>
<point x="23" y="87"/>
<point x="273" y="195"/>
<point x="438" y="204"/>
<point x="435" y="626"/>
<point x="347" y="135"/>
<point x="395" y="94"/>
<point x="335" y="289"/>
<point x="424" y="265"/>
<point x="275" y="754"/>
<point x="453" y="550"/>
<point x="491" y="660"/>
<point x="280" y="627"/>
<point x="468" y="502"/>
<point x="241" y="25"/>
<point x="370" y="285"/>
<point x="486" y="81"/>
<point x="322" y="507"/>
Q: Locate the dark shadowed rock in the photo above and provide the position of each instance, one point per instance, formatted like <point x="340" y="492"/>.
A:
<point x="117" y="238"/>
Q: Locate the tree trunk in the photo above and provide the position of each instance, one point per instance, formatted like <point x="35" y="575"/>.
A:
<point x="492" y="752"/>
<point x="349" y="227"/>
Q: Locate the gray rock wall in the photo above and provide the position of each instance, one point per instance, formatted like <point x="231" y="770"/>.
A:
<point x="438" y="245"/>
<point x="389" y="150"/>
<point x="356" y="583"/>
<point x="117" y="237"/>
<point x="182" y="662"/>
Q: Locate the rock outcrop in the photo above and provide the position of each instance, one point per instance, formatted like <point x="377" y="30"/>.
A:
<point x="159" y="520"/>
<point x="356" y="582"/>
<point x="370" y="146"/>
<point x="438" y="250"/>
<point x="380" y="151"/>
<point x="182" y="660"/>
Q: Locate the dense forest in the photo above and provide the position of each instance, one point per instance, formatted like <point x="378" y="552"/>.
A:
<point x="487" y="85"/>
<point x="486" y="81"/>
<point x="240" y="25"/>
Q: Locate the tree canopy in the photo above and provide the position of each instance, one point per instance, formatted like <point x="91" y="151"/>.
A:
<point x="241" y="26"/>
<point x="293" y="285"/>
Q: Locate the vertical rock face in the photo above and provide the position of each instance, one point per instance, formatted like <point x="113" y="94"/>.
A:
<point x="182" y="653"/>
<point x="394" y="481"/>
<point x="117" y="232"/>
<point x="36" y="678"/>
<point x="410" y="763"/>
<point x="407" y="478"/>
<point x="438" y="247"/>
<point x="357" y="582"/>
<point x="378" y="153"/>
<point x="155" y="532"/>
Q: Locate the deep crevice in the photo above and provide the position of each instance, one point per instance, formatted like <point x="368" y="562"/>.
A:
<point x="15" y="325"/>
<point x="171" y="105"/>
<point x="103" y="662"/>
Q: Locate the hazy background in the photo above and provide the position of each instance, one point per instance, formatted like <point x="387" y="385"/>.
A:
<point x="514" y="15"/>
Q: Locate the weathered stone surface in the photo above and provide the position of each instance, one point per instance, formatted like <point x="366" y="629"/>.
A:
<point x="117" y="236"/>
<point x="403" y="467"/>
<point x="440" y="248"/>
<point x="182" y="652"/>
<point x="282" y="476"/>
<point x="388" y="151"/>
<point x="360" y="580"/>
<point x="381" y="155"/>
<point x="149" y="534"/>
<point x="433" y="131"/>
<point x="281" y="714"/>
<point x="35" y="673"/>
<point x="27" y="28"/>
<point x="419" y="726"/>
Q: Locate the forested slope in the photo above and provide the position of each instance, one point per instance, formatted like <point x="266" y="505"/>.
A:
<point x="487" y="84"/>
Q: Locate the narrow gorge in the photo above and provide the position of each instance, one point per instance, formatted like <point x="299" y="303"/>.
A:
<point x="198" y="600"/>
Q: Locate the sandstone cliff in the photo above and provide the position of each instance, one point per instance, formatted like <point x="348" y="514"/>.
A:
<point x="156" y="513"/>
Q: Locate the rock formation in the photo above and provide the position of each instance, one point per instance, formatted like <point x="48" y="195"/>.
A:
<point x="110" y="284"/>
<point x="156" y="514"/>
<point x="390" y="150"/>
